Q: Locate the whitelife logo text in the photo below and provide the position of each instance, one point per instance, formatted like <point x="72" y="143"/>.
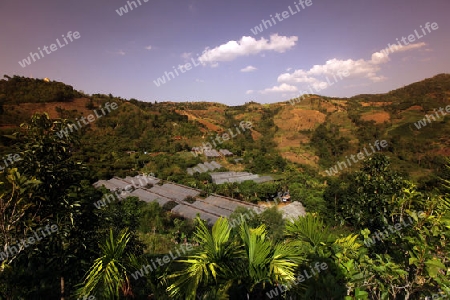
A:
<point x="53" y="47"/>
<point x="91" y="118"/>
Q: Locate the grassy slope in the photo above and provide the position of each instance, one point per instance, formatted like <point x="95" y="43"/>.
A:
<point x="394" y="114"/>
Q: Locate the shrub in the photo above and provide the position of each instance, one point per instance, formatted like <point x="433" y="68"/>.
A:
<point x="169" y="205"/>
<point x="189" y="199"/>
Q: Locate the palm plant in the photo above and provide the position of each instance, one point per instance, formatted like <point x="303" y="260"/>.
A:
<point x="222" y="265"/>
<point x="210" y="268"/>
<point x="107" y="278"/>
<point x="312" y="238"/>
<point x="309" y="231"/>
<point x="265" y="263"/>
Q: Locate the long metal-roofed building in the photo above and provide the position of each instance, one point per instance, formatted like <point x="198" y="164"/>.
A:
<point x="213" y="153"/>
<point x="226" y="152"/>
<point x="204" y="167"/>
<point x="223" y="177"/>
<point x="209" y="209"/>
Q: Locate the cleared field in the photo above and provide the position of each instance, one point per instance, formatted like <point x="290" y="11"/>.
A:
<point x="378" y="117"/>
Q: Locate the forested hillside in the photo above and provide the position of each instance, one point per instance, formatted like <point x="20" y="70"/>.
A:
<point x="17" y="89"/>
<point x="316" y="131"/>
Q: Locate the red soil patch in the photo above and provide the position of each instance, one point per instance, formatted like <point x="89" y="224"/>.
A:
<point x="415" y="107"/>
<point x="202" y="117"/>
<point x="376" y="104"/>
<point x="256" y="135"/>
<point x="303" y="158"/>
<point x="290" y="121"/>
<point x="78" y="104"/>
<point x="378" y="117"/>
<point x="293" y="140"/>
<point x="444" y="152"/>
<point x="190" y="116"/>
<point x="210" y="125"/>
<point x="245" y="117"/>
<point x="295" y="119"/>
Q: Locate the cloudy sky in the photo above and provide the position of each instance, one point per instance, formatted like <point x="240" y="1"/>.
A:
<point x="222" y="51"/>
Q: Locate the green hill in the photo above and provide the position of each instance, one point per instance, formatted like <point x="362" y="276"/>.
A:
<point x="316" y="132"/>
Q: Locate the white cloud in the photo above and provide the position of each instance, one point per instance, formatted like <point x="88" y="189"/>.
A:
<point x="298" y="76"/>
<point x="199" y="80"/>
<point x="249" y="92"/>
<point x="380" y="57"/>
<point x="280" y="89"/>
<point x="383" y="55"/>
<point x="148" y="47"/>
<point x="246" y="46"/>
<point x="248" y="69"/>
<point x="186" y="55"/>
<point x="378" y="78"/>
<point x="411" y="47"/>
<point x="356" y="68"/>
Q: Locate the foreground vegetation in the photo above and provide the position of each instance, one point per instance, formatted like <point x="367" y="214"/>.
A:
<point x="259" y="259"/>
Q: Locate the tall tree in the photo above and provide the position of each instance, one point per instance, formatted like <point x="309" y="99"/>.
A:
<point x="60" y="199"/>
<point x="364" y="199"/>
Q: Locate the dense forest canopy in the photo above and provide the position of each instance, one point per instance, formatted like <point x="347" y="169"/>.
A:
<point x="19" y="89"/>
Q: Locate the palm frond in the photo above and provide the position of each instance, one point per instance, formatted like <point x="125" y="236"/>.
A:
<point x="268" y="263"/>
<point x="107" y="277"/>
<point x="210" y="265"/>
<point x="308" y="229"/>
<point x="348" y="244"/>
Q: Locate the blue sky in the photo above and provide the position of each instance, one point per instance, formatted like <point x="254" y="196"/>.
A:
<point x="125" y="55"/>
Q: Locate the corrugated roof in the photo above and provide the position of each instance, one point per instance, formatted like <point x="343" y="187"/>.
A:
<point x="149" y="197"/>
<point x="210" y="209"/>
<point x="191" y="213"/>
